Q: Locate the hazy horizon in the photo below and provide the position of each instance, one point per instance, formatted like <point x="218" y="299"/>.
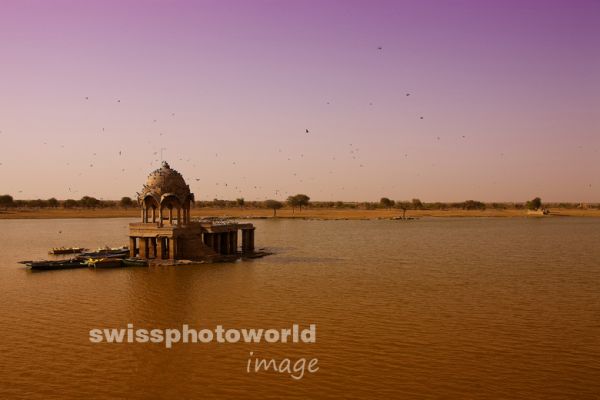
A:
<point x="509" y="96"/>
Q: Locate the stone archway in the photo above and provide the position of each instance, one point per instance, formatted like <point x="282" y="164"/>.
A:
<point x="149" y="206"/>
<point x="171" y="203"/>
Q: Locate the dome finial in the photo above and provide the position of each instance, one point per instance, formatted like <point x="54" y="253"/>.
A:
<point x="165" y="181"/>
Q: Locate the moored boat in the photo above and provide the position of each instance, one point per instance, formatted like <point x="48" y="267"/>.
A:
<point x="104" y="262"/>
<point x="51" y="265"/>
<point x="134" y="262"/>
<point x="66" y="250"/>
<point x="106" y="253"/>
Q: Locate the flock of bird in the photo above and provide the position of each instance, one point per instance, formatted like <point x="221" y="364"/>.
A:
<point x="226" y="188"/>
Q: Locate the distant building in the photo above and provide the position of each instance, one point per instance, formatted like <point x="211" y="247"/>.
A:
<point x="167" y="232"/>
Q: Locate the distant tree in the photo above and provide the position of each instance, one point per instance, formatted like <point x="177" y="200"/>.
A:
<point x="298" y="200"/>
<point x="126" y="202"/>
<point x="70" y="203"/>
<point x="403" y="205"/>
<point x="219" y="203"/>
<point x="473" y="205"/>
<point x="52" y="202"/>
<point x="6" y="201"/>
<point x="417" y="204"/>
<point x="39" y="203"/>
<point x="386" y="203"/>
<point x="437" y="206"/>
<point x="370" y="205"/>
<point x="240" y="202"/>
<point x="534" y="204"/>
<point x="108" y="203"/>
<point x="274" y="205"/>
<point x="89" y="202"/>
<point x="292" y="202"/>
<point x="303" y="200"/>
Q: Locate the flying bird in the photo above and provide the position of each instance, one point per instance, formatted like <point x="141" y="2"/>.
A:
<point x="307" y="131"/>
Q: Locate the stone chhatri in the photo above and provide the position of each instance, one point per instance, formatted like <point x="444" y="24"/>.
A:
<point x="165" y="181"/>
<point x="167" y="232"/>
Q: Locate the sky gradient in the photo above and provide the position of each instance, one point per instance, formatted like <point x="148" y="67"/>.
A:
<point x="508" y="92"/>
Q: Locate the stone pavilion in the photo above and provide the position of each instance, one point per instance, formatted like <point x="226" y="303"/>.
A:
<point x="167" y="232"/>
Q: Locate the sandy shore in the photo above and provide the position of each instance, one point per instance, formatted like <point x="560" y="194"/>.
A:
<point x="311" y="213"/>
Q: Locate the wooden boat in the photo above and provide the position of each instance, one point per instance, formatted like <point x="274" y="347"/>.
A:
<point x="106" y="253"/>
<point x="66" y="250"/>
<point x="134" y="262"/>
<point x="104" y="263"/>
<point x="51" y="265"/>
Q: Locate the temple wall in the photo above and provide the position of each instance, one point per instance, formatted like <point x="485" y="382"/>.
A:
<point x="193" y="248"/>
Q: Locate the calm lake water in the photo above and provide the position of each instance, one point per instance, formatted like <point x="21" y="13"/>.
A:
<point x="438" y="308"/>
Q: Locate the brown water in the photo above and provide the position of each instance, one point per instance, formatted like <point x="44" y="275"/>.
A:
<point x="460" y="308"/>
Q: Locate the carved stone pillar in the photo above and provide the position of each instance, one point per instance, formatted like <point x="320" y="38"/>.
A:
<point x="250" y="246"/>
<point x="234" y="241"/>
<point x="143" y="247"/>
<point x="172" y="248"/>
<point x="131" y="246"/>
<point x="217" y="237"/>
<point x="159" y="248"/>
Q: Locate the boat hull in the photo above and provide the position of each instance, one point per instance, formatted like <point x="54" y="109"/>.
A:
<point x="105" y="254"/>
<point x="134" y="262"/>
<point x="66" y="250"/>
<point x="106" y="263"/>
<point x="54" y="265"/>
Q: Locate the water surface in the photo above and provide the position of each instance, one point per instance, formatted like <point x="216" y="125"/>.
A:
<point x="438" y="308"/>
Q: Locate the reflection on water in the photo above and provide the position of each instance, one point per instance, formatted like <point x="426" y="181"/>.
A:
<point x="461" y="308"/>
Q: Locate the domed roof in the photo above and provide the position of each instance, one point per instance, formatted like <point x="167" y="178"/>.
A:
<point x="165" y="181"/>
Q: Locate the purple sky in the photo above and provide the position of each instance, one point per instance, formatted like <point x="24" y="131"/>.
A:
<point x="509" y="92"/>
